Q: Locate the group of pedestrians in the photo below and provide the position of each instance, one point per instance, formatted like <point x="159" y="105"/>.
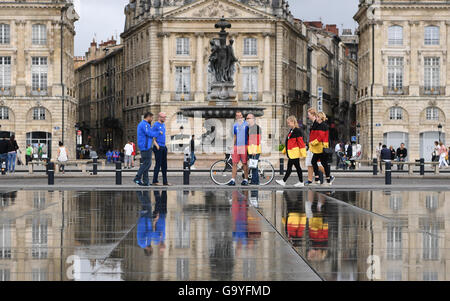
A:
<point x="347" y="154"/>
<point x="152" y="139"/>
<point x="316" y="157"/>
<point x="385" y="154"/>
<point x="8" y="153"/>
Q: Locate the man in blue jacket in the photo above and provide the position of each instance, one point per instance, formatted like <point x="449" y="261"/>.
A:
<point x="145" y="140"/>
<point x="160" y="149"/>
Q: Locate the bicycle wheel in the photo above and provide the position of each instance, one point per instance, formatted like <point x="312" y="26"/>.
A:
<point x="221" y="172"/>
<point x="266" y="172"/>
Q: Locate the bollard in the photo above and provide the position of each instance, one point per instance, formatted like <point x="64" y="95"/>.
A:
<point x="375" y="166"/>
<point x="186" y="172"/>
<point x="51" y="173"/>
<point x="94" y="166"/>
<point x="422" y="166"/>
<point x="281" y="166"/>
<point x="118" y="173"/>
<point x="388" y="178"/>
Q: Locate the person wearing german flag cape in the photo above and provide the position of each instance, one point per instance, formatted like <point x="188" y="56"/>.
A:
<point x="295" y="149"/>
<point x="318" y="144"/>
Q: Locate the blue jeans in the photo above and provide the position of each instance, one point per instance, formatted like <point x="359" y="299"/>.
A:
<point x="11" y="165"/>
<point x="146" y="160"/>
<point x="161" y="164"/>
<point x="255" y="174"/>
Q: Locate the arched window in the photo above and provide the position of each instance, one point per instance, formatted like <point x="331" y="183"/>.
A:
<point x="396" y="113"/>
<point x="395" y="35"/>
<point x="4" y="34"/>
<point x="432" y="113"/>
<point x="432" y="35"/>
<point x="4" y="113"/>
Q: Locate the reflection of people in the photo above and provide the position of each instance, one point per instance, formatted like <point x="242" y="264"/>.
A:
<point x="159" y="234"/>
<point x="318" y="230"/>
<point x="145" y="225"/>
<point x="239" y="213"/>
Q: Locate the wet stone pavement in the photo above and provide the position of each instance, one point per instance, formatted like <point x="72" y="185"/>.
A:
<point x="224" y="235"/>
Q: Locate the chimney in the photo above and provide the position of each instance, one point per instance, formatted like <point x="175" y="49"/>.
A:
<point x="332" y="28"/>
<point x="316" y="24"/>
<point x="346" y="32"/>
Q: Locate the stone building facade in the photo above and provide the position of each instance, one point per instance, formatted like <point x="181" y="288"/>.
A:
<point x="33" y="100"/>
<point x="166" y="49"/>
<point x="403" y="83"/>
<point x="334" y="70"/>
<point x="100" y="93"/>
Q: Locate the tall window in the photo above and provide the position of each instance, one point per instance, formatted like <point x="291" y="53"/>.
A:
<point x="432" y="73"/>
<point x="39" y="70"/>
<point x="4" y="34"/>
<point x="5" y="73"/>
<point x="5" y="241"/>
<point x="395" y="73"/>
<point x="182" y="83"/>
<point x="395" y="35"/>
<point x="39" y="114"/>
<point x="182" y="46"/>
<point x="39" y="34"/>
<point x="394" y="242"/>
<point x="430" y="242"/>
<point x="39" y="234"/>
<point x="432" y="113"/>
<point x="432" y="35"/>
<point x="250" y="46"/>
<point x="4" y="113"/>
<point x="250" y="83"/>
<point x="396" y="113"/>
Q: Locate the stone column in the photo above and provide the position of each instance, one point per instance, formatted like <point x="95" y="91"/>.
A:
<point x="267" y="95"/>
<point x="199" y="69"/>
<point x="166" y="67"/>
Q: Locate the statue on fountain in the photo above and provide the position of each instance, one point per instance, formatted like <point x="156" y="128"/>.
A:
<point x="222" y="65"/>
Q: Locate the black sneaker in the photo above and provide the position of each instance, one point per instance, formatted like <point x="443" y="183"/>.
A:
<point x="244" y="183"/>
<point x="138" y="182"/>
<point x="231" y="183"/>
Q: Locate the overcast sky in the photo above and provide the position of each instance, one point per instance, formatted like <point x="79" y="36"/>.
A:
<point x="105" y="18"/>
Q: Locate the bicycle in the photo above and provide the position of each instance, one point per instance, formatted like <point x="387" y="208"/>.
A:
<point x="221" y="171"/>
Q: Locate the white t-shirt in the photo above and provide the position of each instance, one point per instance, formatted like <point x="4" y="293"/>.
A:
<point x="337" y="148"/>
<point x="128" y="149"/>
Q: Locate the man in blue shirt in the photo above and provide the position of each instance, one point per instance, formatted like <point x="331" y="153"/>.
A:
<point x="145" y="139"/>
<point x="160" y="149"/>
<point x="240" y="139"/>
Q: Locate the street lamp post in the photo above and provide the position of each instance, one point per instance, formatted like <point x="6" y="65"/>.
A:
<point x="440" y="130"/>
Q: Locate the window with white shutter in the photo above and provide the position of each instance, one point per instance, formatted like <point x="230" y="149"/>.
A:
<point x="395" y="35"/>
<point x="39" y="71"/>
<point x="395" y="73"/>
<point x="250" y="46"/>
<point x="4" y="34"/>
<point x="182" y="46"/>
<point x="39" y="34"/>
<point x="182" y="83"/>
<point x="5" y="73"/>
<point x="432" y="35"/>
<point x="250" y="83"/>
<point x="432" y="74"/>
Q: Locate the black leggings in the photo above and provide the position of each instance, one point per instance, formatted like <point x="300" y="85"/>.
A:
<point x="324" y="161"/>
<point x="296" y="163"/>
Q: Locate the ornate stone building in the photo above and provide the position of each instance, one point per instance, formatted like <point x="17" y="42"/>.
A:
<point x="403" y="83"/>
<point x="166" y="49"/>
<point x="100" y="93"/>
<point x="35" y="88"/>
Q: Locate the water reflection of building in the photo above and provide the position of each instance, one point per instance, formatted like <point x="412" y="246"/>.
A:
<point x="406" y="237"/>
<point x="30" y="235"/>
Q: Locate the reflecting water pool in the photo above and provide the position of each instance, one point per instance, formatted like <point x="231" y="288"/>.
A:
<point x="224" y="235"/>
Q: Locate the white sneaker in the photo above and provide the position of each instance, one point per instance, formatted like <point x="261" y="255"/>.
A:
<point x="281" y="182"/>
<point x="300" y="184"/>
<point x="193" y="167"/>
